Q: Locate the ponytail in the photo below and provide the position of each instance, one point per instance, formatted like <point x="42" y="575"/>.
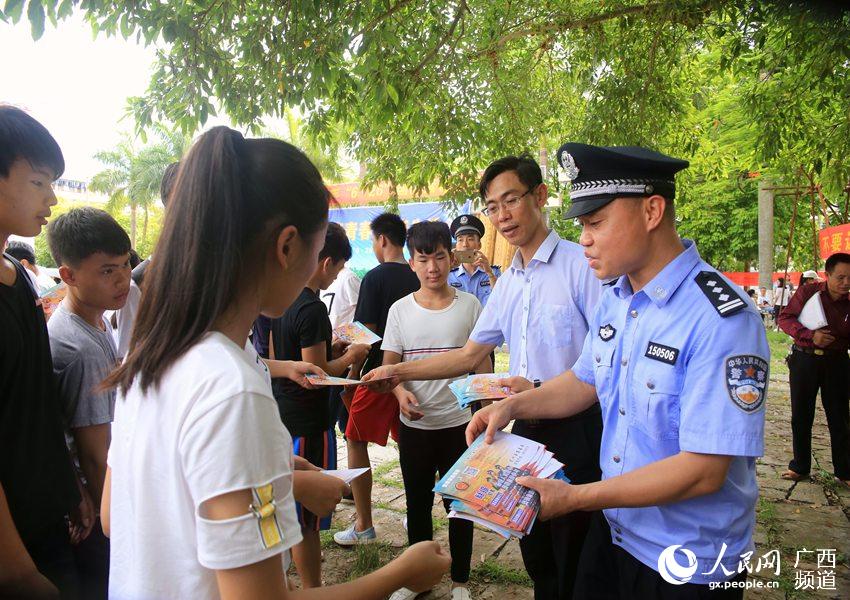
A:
<point x="229" y="196"/>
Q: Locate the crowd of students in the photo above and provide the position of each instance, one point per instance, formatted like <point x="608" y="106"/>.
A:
<point x="188" y="463"/>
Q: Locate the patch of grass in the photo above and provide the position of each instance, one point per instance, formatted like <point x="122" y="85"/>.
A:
<point x="385" y="468"/>
<point x="766" y="516"/>
<point x="380" y="474"/>
<point x="386" y="506"/>
<point x="490" y="571"/>
<point x="439" y="522"/>
<point x="327" y="538"/>
<point x="503" y="362"/>
<point x="369" y="558"/>
<point x="780" y="345"/>
<point x="826" y="480"/>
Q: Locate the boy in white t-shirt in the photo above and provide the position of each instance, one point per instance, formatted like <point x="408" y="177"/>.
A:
<point x="436" y="318"/>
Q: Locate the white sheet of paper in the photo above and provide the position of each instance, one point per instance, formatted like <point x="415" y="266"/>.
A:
<point x="812" y="316"/>
<point x="347" y="475"/>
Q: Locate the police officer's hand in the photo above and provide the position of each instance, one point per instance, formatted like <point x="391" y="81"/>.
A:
<point x="516" y="384"/>
<point x="489" y="419"/>
<point x="319" y="493"/>
<point x="481" y="261"/>
<point x="385" y="373"/>
<point x="555" y="495"/>
<point x="823" y="338"/>
<point x="408" y="404"/>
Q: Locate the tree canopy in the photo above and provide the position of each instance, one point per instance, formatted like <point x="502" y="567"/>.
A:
<point x="432" y="91"/>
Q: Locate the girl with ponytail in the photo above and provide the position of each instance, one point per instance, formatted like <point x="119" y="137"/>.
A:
<point x="198" y="500"/>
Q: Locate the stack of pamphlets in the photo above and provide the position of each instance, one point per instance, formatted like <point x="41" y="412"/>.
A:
<point x="482" y="483"/>
<point x="478" y="387"/>
<point x="355" y="333"/>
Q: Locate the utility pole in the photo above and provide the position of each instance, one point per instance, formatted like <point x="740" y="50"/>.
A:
<point x="766" y="266"/>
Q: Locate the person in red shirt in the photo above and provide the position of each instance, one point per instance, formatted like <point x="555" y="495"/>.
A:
<point x="819" y="361"/>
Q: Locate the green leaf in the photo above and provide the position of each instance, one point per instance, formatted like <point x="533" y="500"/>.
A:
<point x="66" y="7"/>
<point x="35" y="14"/>
<point x="393" y="93"/>
<point x="13" y="9"/>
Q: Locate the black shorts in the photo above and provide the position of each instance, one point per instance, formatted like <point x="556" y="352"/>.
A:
<point x="321" y="451"/>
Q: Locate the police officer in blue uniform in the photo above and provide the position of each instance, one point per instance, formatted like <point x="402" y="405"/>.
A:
<point x="678" y="361"/>
<point x="476" y="277"/>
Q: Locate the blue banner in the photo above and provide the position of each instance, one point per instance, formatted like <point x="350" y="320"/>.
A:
<point x="356" y="221"/>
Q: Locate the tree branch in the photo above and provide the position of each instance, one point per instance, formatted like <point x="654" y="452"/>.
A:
<point x="462" y="7"/>
<point x="382" y="17"/>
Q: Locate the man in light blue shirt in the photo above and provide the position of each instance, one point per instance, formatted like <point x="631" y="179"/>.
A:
<point x="541" y="306"/>
<point x="478" y="276"/>
<point x="679" y="363"/>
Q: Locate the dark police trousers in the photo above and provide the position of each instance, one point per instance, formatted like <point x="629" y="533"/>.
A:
<point x="551" y="551"/>
<point x="607" y="572"/>
<point x="829" y="373"/>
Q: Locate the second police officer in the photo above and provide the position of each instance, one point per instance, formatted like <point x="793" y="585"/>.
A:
<point x="477" y="276"/>
<point x="679" y="363"/>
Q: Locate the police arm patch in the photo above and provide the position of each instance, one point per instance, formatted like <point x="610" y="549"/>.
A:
<point x="606" y="332"/>
<point x="746" y="381"/>
<point x="723" y="298"/>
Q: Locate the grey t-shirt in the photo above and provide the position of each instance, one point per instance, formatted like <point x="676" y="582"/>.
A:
<point x="83" y="356"/>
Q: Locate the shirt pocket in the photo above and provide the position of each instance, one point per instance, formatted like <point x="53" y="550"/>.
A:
<point x="556" y="325"/>
<point x="654" y="405"/>
<point x="603" y="359"/>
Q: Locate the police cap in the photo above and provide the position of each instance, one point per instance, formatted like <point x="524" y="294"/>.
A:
<point x="467" y="224"/>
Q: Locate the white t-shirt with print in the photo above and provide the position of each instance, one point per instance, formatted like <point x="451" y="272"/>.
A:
<point x="416" y="333"/>
<point x="210" y="427"/>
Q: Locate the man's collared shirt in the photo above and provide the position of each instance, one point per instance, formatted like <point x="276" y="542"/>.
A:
<point x="837" y="313"/>
<point x="541" y="309"/>
<point x="674" y="375"/>
<point x="477" y="284"/>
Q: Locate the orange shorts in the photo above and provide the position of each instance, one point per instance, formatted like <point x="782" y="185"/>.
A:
<point x="372" y="417"/>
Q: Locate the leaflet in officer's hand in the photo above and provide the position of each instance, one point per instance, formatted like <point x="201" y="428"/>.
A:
<point x="347" y="475"/>
<point x="483" y="485"/>
<point x="355" y="333"/>
<point x="478" y="387"/>
<point x="328" y="380"/>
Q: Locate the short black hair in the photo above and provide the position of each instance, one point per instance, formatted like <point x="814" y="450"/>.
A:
<point x="22" y="137"/>
<point x="525" y="167"/>
<point x="426" y="237"/>
<point x="135" y="259"/>
<point x="391" y="227"/>
<point x="337" y="247"/>
<point x="21" y="251"/>
<point x="838" y="257"/>
<point x="166" y="184"/>
<point x="81" y="232"/>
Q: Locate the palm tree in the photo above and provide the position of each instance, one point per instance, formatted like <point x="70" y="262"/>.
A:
<point x="114" y="181"/>
<point x="325" y="156"/>
<point x="132" y="178"/>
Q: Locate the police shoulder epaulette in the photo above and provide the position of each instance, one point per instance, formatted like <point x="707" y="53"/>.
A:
<point x="496" y="267"/>
<point x="723" y="298"/>
<point x="610" y="283"/>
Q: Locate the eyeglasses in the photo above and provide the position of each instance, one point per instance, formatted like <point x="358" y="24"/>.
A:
<point x="492" y="208"/>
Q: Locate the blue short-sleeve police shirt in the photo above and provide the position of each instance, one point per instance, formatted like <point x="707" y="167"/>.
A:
<point x="681" y="365"/>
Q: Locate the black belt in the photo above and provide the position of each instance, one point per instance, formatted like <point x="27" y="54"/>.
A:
<point x="554" y="422"/>
<point x="818" y="351"/>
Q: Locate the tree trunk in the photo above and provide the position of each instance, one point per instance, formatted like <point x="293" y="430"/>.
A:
<point x="765" y="225"/>
<point x="145" y="225"/>
<point x="133" y="225"/>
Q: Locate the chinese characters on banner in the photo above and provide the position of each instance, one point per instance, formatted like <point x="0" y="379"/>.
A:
<point x="834" y="239"/>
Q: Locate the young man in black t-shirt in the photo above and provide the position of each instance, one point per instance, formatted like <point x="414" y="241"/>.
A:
<point x="373" y="416"/>
<point x="304" y="333"/>
<point x="38" y="491"/>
